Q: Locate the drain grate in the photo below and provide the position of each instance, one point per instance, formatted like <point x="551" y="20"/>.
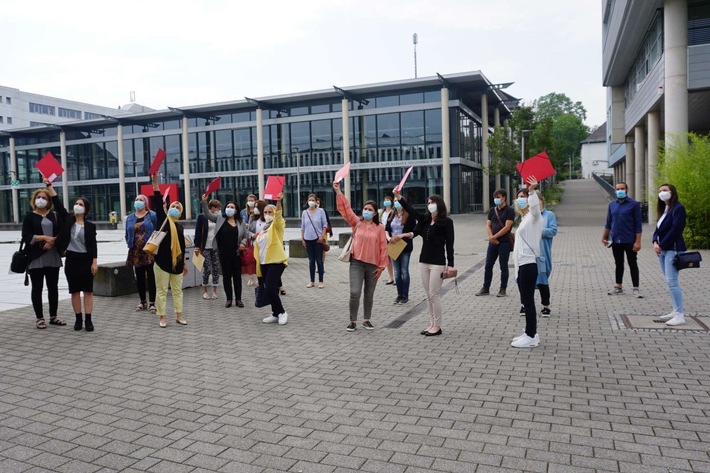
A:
<point x="653" y="322"/>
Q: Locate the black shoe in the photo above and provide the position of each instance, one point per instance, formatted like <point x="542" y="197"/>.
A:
<point x="239" y="303"/>
<point x="522" y="310"/>
<point x="501" y="293"/>
<point x="432" y="334"/>
<point x="396" y="301"/>
<point x="78" y="323"/>
<point x="483" y="292"/>
<point x="228" y="304"/>
<point x="367" y="325"/>
<point x="351" y="327"/>
<point x="546" y="311"/>
<point x="88" y="324"/>
<point x="404" y="300"/>
<point x="424" y="332"/>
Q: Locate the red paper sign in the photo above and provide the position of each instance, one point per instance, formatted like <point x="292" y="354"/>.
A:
<point x="400" y="186"/>
<point x="49" y="167"/>
<point x="165" y="189"/>
<point x="274" y="186"/>
<point x="340" y="175"/>
<point x="538" y="166"/>
<point x="165" y="196"/>
<point x="157" y="161"/>
<point x="214" y="186"/>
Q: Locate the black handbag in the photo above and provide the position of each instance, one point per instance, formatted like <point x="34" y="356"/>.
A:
<point x="687" y="259"/>
<point x="20" y="260"/>
<point x="261" y="299"/>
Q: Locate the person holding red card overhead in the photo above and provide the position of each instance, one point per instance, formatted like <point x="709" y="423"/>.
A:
<point x="40" y="228"/>
<point x="271" y="259"/>
<point x="170" y="267"/>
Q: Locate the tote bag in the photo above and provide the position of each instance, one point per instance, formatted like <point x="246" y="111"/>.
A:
<point x="155" y="239"/>
<point x="348" y="248"/>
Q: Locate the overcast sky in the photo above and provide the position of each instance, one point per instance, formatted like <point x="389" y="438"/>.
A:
<point x="188" y="52"/>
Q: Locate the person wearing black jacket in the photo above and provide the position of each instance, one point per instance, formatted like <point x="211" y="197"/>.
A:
<point x="170" y="267"/>
<point x="437" y="255"/>
<point x="40" y="228"/>
<point x="77" y="240"/>
<point x="401" y="226"/>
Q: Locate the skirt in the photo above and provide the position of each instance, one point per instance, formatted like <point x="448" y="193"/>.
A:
<point x="77" y="269"/>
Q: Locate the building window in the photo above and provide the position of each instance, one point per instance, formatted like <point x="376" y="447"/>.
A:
<point x="69" y="113"/>
<point x="36" y="124"/>
<point x="698" y="24"/>
<point x="91" y="116"/>
<point x="9" y="120"/>
<point x="649" y="54"/>
<point x="1" y="119"/>
<point x="43" y="109"/>
<point x="8" y="100"/>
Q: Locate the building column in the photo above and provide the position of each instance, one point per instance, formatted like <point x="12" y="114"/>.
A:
<point x="639" y="189"/>
<point x="63" y="158"/>
<point x="485" y="158"/>
<point x="654" y="135"/>
<point x="13" y="175"/>
<point x="496" y="125"/>
<point x="260" y="150"/>
<point x="675" y="52"/>
<point x="446" y="147"/>
<point x="345" y="105"/>
<point x="629" y="168"/>
<point x="186" y="168"/>
<point x="121" y="172"/>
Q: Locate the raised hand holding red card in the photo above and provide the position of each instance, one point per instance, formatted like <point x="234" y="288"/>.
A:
<point x="49" y="167"/>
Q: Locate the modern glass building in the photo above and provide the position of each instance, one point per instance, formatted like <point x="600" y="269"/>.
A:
<point x="438" y="125"/>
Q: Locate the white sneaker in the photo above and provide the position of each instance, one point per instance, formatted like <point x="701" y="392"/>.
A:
<point x="525" y="341"/>
<point x="270" y="319"/>
<point x="668" y="316"/>
<point x="283" y="318"/>
<point x="637" y="293"/>
<point x="679" y="319"/>
<point x="519" y="336"/>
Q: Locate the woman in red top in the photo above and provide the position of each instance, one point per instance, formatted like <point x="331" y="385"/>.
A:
<point x="368" y="258"/>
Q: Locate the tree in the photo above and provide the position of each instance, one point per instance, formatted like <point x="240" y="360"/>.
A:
<point x="555" y="104"/>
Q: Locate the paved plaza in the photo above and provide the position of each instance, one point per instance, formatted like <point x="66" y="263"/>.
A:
<point x="227" y="393"/>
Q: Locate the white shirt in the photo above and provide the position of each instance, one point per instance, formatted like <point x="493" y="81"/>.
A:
<point x="528" y="235"/>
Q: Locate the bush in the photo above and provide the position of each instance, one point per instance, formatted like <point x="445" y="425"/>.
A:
<point x="552" y="195"/>
<point x="685" y="163"/>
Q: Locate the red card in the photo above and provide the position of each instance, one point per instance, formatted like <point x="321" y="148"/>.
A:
<point x="274" y="186"/>
<point x="49" y="167"/>
<point x="340" y="175"/>
<point x="538" y="166"/>
<point x="400" y="186"/>
<point x="165" y="189"/>
<point x="157" y="161"/>
<point x="214" y="186"/>
<point x="165" y="196"/>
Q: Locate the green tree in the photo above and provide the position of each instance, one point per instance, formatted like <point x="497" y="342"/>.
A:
<point x="555" y="104"/>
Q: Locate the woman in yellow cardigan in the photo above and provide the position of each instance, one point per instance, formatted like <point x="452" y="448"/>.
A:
<point x="271" y="259"/>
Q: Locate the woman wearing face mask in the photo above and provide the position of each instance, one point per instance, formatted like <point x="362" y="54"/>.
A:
<point x="271" y="259"/>
<point x="525" y="253"/>
<point x="40" y="228"/>
<point x="437" y="256"/>
<point x="170" y="267"/>
<point x="139" y="227"/>
<point x="248" y="216"/>
<point x="368" y="258"/>
<point x="230" y="238"/>
<point x="385" y="216"/>
<point x="667" y="241"/>
<point x="401" y="227"/>
<point x="204" y="242"/>
<point x="314" y="228"/>
<point x="77" y="239"/>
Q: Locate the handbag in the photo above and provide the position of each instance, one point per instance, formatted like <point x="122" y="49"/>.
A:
<point x="261" y="299"/>
<point x="20" y="259"/>
<point x="452" y="273"/>
<point x="348" y="248"/>
<point x="685" y="260"/>
<point x="155" y="239"/>
<point x="323" y="243"/>
<point x="247" y="255"/>
<point x="511" y="235"/>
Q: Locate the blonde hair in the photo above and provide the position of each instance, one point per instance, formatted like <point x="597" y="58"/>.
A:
<point x="34" y="196"/>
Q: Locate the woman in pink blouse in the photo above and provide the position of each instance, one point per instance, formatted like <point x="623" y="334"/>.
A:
<point x="368" y="258"/>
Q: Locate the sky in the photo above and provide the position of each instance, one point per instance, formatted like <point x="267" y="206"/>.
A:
<point x="187" y="52"/>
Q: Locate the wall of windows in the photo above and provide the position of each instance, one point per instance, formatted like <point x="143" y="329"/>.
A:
<point x="650" y="52"/>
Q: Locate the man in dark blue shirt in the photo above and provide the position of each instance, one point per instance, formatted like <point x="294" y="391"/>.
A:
<point x="499" y="223"/>
<point x="623" y="232"/>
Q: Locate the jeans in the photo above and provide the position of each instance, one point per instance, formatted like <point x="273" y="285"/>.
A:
<point x="432" y="281"/>
<point x="665" y="259"/>
<point x="401" y="273"/>
<point x="315" y="257"/>
<point x="361" y="273"/>
<point x="527" y="276"/>
<point x="619" y="249"/>
<point x="38" y="276"/>
<point x="501" y="252"/>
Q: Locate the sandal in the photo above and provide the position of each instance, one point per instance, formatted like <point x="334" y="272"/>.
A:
<point x="282" y="292"/>
<point x="40" y="323"/>
<point x="56" y="321"/>
<point x="152" y="309"/>
<point x="142" y="306"/>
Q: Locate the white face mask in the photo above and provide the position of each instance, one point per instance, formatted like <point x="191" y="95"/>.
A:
<point x="269" y="218"/>
<point x="311" y="203"/>
<point x="256" y="212"/>
<point x="78" y="209"/>
<point x="432" y="208"/>
<point x="250" y="204"/>
<point x="40" y="203"/>
<point x="665" y="196"/>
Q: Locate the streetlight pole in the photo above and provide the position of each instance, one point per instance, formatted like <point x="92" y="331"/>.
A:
<point x="135" y="175"/>
<point x="522" y="144"/>
<point x="298" y="177"/>
<point x="415" y="40"/>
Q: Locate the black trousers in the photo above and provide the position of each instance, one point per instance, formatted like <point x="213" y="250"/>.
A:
<point x="527" y="277"/>
<point x="143" y="274"/>
<point x="231" y="265"/>
<point x="38" y="276"/>
<point x="271" y="278"/>
<point x="619" y="249"/>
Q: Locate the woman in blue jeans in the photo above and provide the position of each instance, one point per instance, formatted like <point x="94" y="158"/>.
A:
<point x="314" y="232"/>
<point x="400" y="226"/>
<point x="667" y="241"/>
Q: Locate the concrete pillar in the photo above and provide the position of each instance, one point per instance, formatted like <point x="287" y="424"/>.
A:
<point x="654" y="135"/>
<point x="675" y="52"/>
<point x="122" y="173"/>
<point x="186" y="169"/>
<point x="616" y="117"/>
<point x="496" y="124"/>
<point x="14" y="175"/>
<point x="629" y="165"/>
<point x="446" y="147"/>
<point x="485" y="161"/>
<point x="639" y="190"/>
<point x="63" y="160"/>
<point x="345" y="105"/>
<point x="260" y="149"/>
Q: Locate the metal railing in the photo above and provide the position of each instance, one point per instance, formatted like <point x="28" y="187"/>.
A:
<point x="607" y="186"/>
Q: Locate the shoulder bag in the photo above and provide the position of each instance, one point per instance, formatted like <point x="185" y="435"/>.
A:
<point x="511" y="235"/>
<point x="155" y="239"/>
<point x="682" y="260"/>
<point x="348" y="248"/>
<point x="247" y="254"/>
<point x="324" y="244"/>
<point x="20" y="260"/>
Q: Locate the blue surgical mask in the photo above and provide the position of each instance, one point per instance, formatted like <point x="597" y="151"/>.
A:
<point x="397" y="205"/>
<point x="173" y="212"/>
<point x="521" y="202"/>
<point x="138" y="204"/>
<point x="620" y="194"/>
<point x="367" y="214"/>
<point x="387" y="203"/>
<point x="229" y="211"/>
<point x="497" y="201"/>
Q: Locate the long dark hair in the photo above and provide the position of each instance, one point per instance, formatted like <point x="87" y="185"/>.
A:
<point x="237" y="210"/>
<point x="661" y="206"/>
<point x="440" y="207"/>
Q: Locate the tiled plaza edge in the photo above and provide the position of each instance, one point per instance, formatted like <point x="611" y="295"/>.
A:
<point x="228" y="393"/>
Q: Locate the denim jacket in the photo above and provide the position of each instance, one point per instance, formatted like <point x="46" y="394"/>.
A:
<point x="149" y="222"/>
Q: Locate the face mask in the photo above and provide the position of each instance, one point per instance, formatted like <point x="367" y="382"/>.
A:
<point x="214" y="212"/>
<point x="311" y="203"/>
<point x="665" y="196"/>
<point x="78" y="209"/>
<point x="367" y="214"/>
<point x="230" y="212"/>
<point x="250" y="204"/>
<point x="256" y="212"/>
<point x="173" y="212"/>
<point x="620" y="194"/>
<point x="138" y="204"/>
<point x="497" y="201"/>
<point x="397" y="205"/>
<point x="40" y="203"/>
<point x="521" y="202"/>
<point x="432" y="208"/>
<point x="269" y="218"/>
<point x="387" y="203"/>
